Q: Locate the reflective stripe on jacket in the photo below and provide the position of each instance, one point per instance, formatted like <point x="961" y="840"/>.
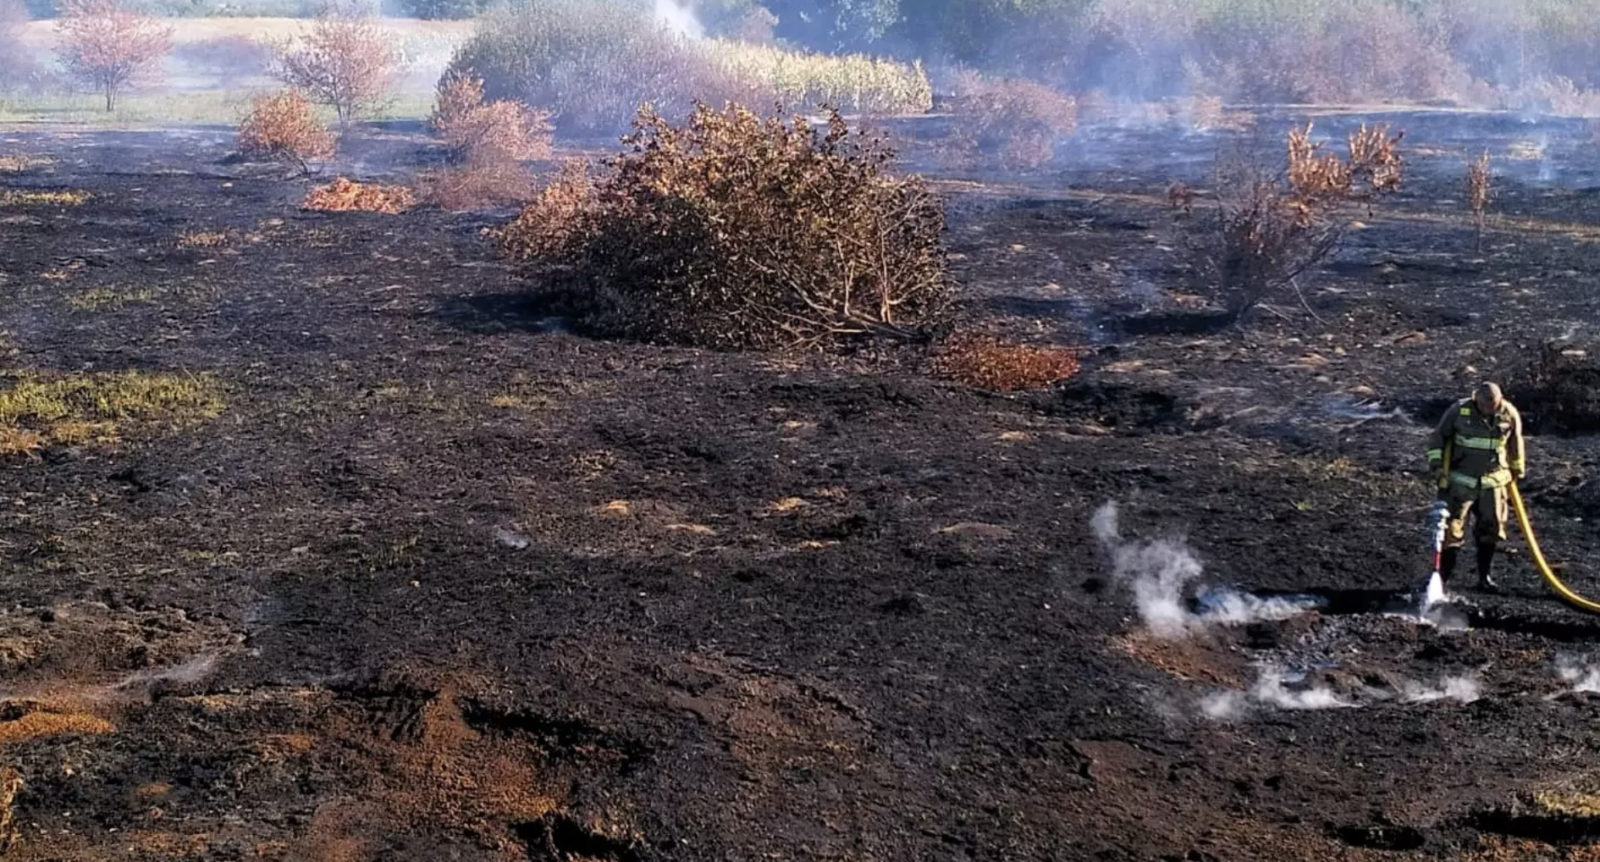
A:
<point x="1484" y="450"/>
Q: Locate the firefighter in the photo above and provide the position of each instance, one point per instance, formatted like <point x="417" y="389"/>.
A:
<point x="1482" y="437"/>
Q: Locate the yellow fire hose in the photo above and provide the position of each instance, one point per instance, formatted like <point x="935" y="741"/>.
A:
<point x="1561" y="589"/>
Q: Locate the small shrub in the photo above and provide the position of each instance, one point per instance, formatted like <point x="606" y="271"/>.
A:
<point x="284" y="127"/>
<point x="1479" y="190"/>
<point x="110" y="47"/>
<point x="734" y="231"/>
<point x="1265" y="231"/>
<point x="346" y="61"/>
<point x="476" y="185"/>
<point x="490" y="142"/>
<point x="346" y="195"/>
<point x="989" y="363"/>
<point x="1019" y="122"/>
<point x="493" y="132"/>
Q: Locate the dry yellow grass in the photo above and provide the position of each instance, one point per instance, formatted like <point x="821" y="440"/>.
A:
<point x="16" y="164"/>
<point x="103" y="298"/>
<point x="37" y="410"/>
<point x="1568" y="804"/>
<point x="60" y="198"/>
<point x="41" y="725"/>
<point x="202" y="239"/>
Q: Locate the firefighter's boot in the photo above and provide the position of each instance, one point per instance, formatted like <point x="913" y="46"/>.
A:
<point x="1486" y="580"/>
<point x="1447" y="563"/>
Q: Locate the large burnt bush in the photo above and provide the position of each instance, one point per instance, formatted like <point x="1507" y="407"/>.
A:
<point x="733" y="230"/>
<point x="1559" y="392"/>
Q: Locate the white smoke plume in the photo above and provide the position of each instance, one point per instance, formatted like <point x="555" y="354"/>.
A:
<point x="1272" y="690"/>
<point x="1158" y="571"/>
<point x="1225" y="705"/>
<point x="1582" y="676"/>
<point x="1463" y="689"/>
<point x="680" y="20"/>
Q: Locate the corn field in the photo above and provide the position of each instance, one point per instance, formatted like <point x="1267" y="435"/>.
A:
<point x="852" y="83"/>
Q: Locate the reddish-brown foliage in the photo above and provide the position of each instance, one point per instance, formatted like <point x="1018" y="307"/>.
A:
<point x="345" y="195"/>
<point x="479" y="131"/>
<point x="475" y="185"/>
<point x="490" y="141"/>
<point x="345" y="61"/>
<point x="989" y="363"/>
<point x="108" y="46"/>
<point x="284" y="127"/>
<point x="556" y="222"/>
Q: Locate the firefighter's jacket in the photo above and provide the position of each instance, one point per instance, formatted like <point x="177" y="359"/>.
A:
<point x="1484" y="450"/>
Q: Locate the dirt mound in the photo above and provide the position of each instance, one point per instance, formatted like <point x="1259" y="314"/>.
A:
<point x="1560" y="391"/>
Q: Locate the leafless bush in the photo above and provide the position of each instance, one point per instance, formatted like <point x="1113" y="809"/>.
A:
<point x="1479" y="190"/>
<point x="1019" y="122"/>
<point x="345" y="60"/>
<point x="1267" y="229"/>
<point x="285" y="128"/>
<point x="734" y="231"/>
<point x="108" y="46"/>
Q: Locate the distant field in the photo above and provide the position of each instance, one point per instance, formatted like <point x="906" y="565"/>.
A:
<point x="192" y="94"/>
<point x="43" y="33"/>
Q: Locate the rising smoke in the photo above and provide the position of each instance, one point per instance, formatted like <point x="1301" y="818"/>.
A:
<point x="1579" y="674"/>
<point x="1276" y="688"/>
<point x="679" y="19"/>
<point x="1158" y="573"/>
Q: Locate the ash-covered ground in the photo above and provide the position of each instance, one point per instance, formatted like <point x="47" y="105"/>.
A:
<point x="430" y="577"/>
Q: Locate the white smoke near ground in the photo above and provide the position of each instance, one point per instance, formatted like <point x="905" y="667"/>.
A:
<point x="1274" y="688"/>
<point x="1277" y="688"/>
<point x="680" y="20"/>
<point x="1225" y="705"/>
<point x="187" y="672"/>
<point x="1580" y="675"/>
<point x="1462" y="689"/>
<point x="1158" y="572"/>
<point x="1271" y="689"/>
<point x="1228" y="606"/>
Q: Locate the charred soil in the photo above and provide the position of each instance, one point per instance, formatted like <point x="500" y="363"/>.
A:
<point x="432" y="578"/>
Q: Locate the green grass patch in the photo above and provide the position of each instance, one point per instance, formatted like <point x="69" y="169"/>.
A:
<point x="192" y="108"/>
<point x="39" y="409"/>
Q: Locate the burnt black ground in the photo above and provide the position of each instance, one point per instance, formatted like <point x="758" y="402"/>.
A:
<point x="478" y="588"/>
